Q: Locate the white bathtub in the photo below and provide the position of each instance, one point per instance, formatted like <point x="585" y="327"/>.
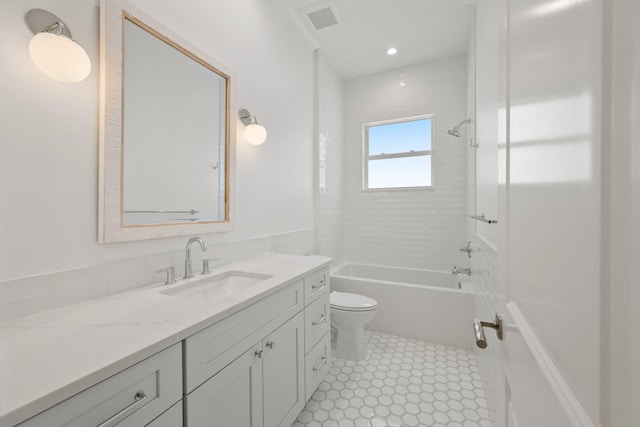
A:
<point x="422" y="304"/>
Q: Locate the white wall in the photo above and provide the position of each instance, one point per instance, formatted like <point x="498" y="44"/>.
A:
<point x="49" y="142"/>
<point x="419" y="229"/>
<point x="329" y="167"/>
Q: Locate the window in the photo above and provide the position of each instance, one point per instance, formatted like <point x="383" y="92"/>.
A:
<point x="398" y="154"/>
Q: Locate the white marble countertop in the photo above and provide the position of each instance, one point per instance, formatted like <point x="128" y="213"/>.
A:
<point x="51" y="356"/>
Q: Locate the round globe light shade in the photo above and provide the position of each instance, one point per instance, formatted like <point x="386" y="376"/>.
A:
<point x="59" y="57"/>
<point x="255" y="134"/>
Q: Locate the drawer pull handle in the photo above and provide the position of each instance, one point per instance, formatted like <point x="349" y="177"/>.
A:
<point x="139" y="400"/>
<point x="270" y="345"/>
<point x="258" y="354"/>
<point x="320" y="321"/>
<point x="322" y="362"/>
<point x="319" y="284"/>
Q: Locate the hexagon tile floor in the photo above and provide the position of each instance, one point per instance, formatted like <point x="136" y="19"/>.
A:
<point x="402" y="382"/>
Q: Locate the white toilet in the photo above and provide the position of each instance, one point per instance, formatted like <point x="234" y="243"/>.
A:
<point x="349" y="314"/>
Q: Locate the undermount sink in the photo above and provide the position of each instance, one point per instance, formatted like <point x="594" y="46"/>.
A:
<point x="218" y="286"/>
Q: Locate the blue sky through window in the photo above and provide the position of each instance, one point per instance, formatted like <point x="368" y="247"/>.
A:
<point x="404" y="171"/>
<point x="400" y="137"/>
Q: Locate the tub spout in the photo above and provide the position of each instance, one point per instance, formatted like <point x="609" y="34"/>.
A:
<point x="458" y="270"/>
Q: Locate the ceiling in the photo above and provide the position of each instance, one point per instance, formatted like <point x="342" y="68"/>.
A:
<point x="421" y="30"/>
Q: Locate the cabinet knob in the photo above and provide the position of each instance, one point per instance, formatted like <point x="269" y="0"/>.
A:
<point x="270" y="345"/>
<point x="258" y="354"/>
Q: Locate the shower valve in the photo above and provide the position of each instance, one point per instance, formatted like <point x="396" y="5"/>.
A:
<point x="468" y="249"/>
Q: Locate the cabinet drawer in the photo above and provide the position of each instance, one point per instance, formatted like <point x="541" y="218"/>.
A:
<point x="315" y="285"/>
<point x="211" y="349"/>
<point x="131" y="398"/>
<point x="171" y="418"/>
<point x="317" y="364"/>
<point x="317" y="321"/>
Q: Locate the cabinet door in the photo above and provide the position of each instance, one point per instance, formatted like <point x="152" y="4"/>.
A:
<point x="232" y="397"/>
<point x="283" y="373"/>
<point x="171" y="418"/>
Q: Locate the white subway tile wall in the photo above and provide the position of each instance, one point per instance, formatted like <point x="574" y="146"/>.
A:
<point x="329" y="164"/>
<point x="420" y="228"/>
<point x="29" y="295"/>
<point x="484" y="283"/>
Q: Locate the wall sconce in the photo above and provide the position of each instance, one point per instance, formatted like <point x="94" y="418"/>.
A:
<point x="53" y="50"/>
<point x="254" y="133"/>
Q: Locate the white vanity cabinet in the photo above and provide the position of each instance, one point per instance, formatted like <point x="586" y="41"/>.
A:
<point x="132" y="398"/>
<point x="317" y="315"/>
<point x="283" y="373"/>
<point x="256" y="366"/>
<point x="252" y="365"/>
<point x="262" y="387"/>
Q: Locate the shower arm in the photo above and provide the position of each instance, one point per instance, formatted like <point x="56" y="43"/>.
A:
<point x="456" y="128"/>
<point x="468" y="121"/>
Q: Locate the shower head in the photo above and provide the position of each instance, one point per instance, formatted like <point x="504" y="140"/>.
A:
<point x="456" y="130"/>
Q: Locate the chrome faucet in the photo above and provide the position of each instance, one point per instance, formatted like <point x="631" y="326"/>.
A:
<point x="188" y="272"/>
<point x="458" y="270"/>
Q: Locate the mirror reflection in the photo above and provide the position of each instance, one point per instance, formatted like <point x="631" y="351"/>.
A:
<point x="174" y="132"/>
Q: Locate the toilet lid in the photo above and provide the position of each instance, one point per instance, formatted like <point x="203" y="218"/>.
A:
<point x="351" y="302"/>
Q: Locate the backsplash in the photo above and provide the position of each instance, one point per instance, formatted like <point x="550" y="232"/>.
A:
<point x="30" y="295"/>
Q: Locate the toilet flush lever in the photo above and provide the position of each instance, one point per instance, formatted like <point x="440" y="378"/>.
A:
<point x="478" y="325"/>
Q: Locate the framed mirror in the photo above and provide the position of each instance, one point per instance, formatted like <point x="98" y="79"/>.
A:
<point x="167" y="131"/>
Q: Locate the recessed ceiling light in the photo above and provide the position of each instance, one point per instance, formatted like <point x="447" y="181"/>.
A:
<point x="392" y="51"/>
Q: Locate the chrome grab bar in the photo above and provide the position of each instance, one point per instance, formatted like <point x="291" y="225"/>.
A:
<point x="320" y="284"/>
<point x="320" y="321"/>
<point x="139" y="401"/>
<point x="478" y="325"/>
<point x="322" y="362"/>
<point x="483" y="219"/>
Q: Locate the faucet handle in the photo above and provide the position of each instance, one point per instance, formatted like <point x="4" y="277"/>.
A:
<point x="171" y="275"/>
<point x="206" y="264"/>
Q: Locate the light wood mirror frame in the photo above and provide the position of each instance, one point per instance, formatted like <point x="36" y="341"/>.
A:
<point x="110" y="194"/>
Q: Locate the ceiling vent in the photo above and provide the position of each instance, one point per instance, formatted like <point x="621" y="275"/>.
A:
<point x="322" y="18"/>
<point x="317" y="14"/>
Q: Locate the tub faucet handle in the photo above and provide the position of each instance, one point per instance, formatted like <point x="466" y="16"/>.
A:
<point x="468" y="249"/>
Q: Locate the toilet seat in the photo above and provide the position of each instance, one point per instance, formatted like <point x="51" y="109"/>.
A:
<point x="351" y="302"/>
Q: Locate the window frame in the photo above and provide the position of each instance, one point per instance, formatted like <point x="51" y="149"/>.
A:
<point x="366" y="157"/>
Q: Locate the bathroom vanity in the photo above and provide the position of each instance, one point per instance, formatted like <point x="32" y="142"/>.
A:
<point x="245" y="345"/>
